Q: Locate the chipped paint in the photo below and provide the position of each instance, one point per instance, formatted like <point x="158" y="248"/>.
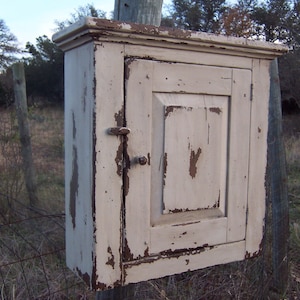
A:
<point x="216" y="110"/>
<point x="126" y="183"/>
<point x="127" y="255"/>
<point x="170" y="109"/>
<point x="217" y="204"/>
<point x="168" y="254"/>
<point x="119" y="117"/>
<point x="193" y="162"/>
<point x="85" y="276"/>
<point x="148" y="159"/>
<point x="127" y="68"/>
<point x="111" y="259"/>
<point x="184" y="252"/>
<point x="74" y="126"/>
<point x="119" y="159"/>
<point x="185" y="224"/>
<point x="74" y="187"/>
<point x="165" y="166"/>
<point x="146" y="252"/>
<point x="126" y="166"/>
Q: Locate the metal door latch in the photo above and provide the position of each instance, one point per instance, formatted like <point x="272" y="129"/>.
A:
<point x="118" y="130"/>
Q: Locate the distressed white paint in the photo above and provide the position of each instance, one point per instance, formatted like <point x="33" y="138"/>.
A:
<point x="195" y="149"/>
<point x="258" y="153"/>
<point x="79" y="163"/>
<point x="182" y="91"/>
<point x="183" y="116"/>
<point x="109" y="105"/>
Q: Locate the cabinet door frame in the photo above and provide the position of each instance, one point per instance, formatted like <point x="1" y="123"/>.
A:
<point x="145" y="77"/>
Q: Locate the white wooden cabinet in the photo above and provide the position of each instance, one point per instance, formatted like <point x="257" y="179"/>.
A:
<point x="166" y="143"/>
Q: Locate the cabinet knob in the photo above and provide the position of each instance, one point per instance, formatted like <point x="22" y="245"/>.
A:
<point x="142" y="160"/>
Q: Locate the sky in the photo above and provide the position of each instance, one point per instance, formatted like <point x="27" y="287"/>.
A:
<point x="29" y="19"/>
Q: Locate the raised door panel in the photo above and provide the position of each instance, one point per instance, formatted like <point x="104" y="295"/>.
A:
<point x="183" y="119"/>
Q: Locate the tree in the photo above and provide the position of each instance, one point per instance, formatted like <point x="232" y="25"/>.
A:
<point x="272" y="20"/>
<point x="293" y="25"/>
<point x="199" y="15"/>
<point x="44" y="70"/>
<point x="83" y="11"/>
<point x="8" y="46"/>
<point x="238" y="20"/>
<point x="6" y="88"/>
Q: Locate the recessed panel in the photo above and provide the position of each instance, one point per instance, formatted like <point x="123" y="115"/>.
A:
<point x="194" y="152"/>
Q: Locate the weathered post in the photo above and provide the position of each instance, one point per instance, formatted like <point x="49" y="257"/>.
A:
<point x="143" y="12"/>
<point x="278" y="186"/>
<point x="22" y="115"/>
<point x="139" y="11"/>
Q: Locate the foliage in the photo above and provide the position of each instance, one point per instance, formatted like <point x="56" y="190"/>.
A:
<point x="83" y="11"/>
<point x="6" y="88"/>
<point x="237" y="19"/>
<point x="8" y="46"/>
<point x="8" y="49"/>
<point x="289" y="66"/>
<point x="271" y="18"/>
<point x="44" y="70"/>
<point x="201" y="15"/>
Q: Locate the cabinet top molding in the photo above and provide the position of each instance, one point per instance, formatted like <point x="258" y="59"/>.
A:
<point x="102" y="30"/>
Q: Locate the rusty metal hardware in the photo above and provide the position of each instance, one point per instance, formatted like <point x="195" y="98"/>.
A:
<point x="118" y="130"/>
<point x="142" y="160"/>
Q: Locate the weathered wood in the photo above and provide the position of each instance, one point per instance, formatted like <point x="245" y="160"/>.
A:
<point x="139" y="11"/>
<point x="130" y="90"/>
<point x="196" y="100"/>
<point x="278" y="186"/>
<point x="144" y="12"/>
<point x="258" y="153"/>
<point x="22" y="115"/>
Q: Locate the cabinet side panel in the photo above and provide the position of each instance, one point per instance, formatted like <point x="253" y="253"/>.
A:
<point x="79" y="107"/>
<point x="258" y="156"/>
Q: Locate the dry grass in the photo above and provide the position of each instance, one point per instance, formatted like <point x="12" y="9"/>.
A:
<point x="32" y="258"/>
<point x="32" y="264"/>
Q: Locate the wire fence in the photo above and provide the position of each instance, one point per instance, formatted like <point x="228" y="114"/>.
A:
<point x="32" y="240"/>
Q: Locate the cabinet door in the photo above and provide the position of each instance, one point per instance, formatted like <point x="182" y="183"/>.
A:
<point x="186" y="185"/>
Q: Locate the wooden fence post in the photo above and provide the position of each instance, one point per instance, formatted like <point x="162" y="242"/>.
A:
<point x="22" y="116"/>
<point x="278" y="186"/>
<point x="143" y="12"/>
<point x="139" y="11"/>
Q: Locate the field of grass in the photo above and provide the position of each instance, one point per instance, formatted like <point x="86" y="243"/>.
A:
<point x="32" y="262"/>
<point x="291" y="129"/>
